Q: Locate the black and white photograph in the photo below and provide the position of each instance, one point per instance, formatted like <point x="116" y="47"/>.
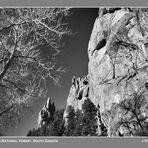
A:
<point x="74" y="72"/>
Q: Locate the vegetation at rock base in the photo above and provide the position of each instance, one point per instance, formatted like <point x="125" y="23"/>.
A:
<point x="53" y="128"/>
<point x="127" y="119"/>
<point x="89" y="121"/>
<point x="79" y="123"/>
<point x="117" y="69"/>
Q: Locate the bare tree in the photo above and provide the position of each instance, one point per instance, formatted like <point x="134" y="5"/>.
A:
<point x="23" y="70"/>
<point x="132" y="119"/>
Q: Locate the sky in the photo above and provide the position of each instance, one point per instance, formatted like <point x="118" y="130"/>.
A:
<point x="73" y="57"/>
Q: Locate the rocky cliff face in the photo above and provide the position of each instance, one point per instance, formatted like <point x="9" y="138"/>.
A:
<point x="78" y="93"/>
<point x="117" y="68"/>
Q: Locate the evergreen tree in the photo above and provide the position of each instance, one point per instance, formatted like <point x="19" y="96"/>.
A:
<point x="78" y="121"/>
<point x="57" y="128"/>
<point x="70" y="128"/>
<point x="29" y="133"/>
<point x="89" y="118"/>
<point x="54" y="127"/>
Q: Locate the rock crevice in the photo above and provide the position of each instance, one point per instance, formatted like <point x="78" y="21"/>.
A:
<point x="117" y="65"/>
<point x="117" y="79"/>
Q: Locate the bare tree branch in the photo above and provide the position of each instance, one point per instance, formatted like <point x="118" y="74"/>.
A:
<point x="6" y="110"/>
<point x="24" y="72"/>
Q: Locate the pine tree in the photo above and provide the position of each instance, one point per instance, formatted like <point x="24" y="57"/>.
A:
<point x="78" y="121"/>
<point x="70" y="128"/>
<point x="54" y="127"/>
<point x="89" y="118"/>
<point x="29" y="133"/>
<point x="57" y="127"/>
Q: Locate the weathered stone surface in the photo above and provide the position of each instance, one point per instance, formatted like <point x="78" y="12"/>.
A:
<point x="78" y="93"/>
<point x="46" y="114"/>
<point x="117" y="73"/>
<point x="120" y="67"/>
<point x="117" y="68"/>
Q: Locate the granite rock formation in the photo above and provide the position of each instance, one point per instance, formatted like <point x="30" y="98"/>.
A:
<point x="78" y="93"/>
<point x="117" y="68"/>
<point x="117" y="79"/>
<point x="46" y="114"/>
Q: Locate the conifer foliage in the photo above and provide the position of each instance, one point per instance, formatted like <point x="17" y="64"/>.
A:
<point x="79" y="123"/>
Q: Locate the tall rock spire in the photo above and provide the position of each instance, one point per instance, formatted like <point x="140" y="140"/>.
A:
<point x="47" y="113"/>
<point x="117" y="68"/>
